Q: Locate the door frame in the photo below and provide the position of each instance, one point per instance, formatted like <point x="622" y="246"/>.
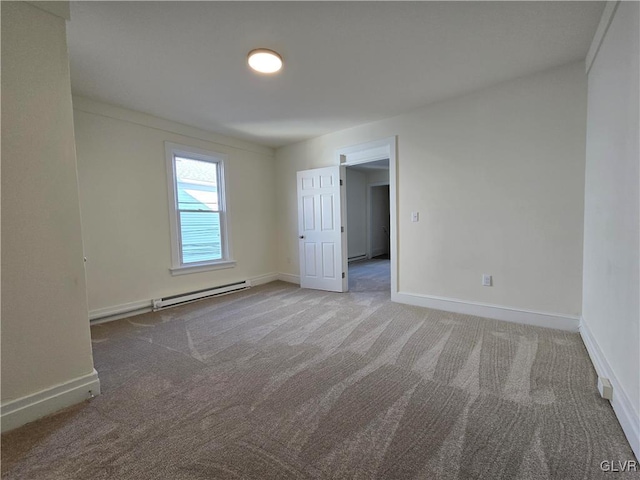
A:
<point x="372" y="151"/>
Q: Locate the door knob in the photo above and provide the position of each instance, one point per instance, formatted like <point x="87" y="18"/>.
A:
<point x="301" y="237"/>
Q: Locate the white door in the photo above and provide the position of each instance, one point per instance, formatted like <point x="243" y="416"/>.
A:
<point x="320" y="232"/>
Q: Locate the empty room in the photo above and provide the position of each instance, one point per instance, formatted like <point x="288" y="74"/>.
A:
<point x="269" y="240"/>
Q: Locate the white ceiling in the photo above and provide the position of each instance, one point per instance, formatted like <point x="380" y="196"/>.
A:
<point x="346" y="63"/>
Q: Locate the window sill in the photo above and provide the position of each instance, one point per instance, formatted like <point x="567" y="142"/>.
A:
<point x="185" y="269"/>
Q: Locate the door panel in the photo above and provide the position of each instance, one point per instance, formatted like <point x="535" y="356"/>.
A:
<point x="328" y="260"/>
<point x="308" y="212"/>
<point x="310" y="259"/>
<point x="319" y="229"/>
<point x="326" y="212"/>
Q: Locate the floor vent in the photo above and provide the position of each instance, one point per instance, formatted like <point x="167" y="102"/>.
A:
<point x="160" y="303"/>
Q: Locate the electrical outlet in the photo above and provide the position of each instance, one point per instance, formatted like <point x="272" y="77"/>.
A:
<point x="487" y="280"/>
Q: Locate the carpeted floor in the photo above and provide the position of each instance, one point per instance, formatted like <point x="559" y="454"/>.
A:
<point x="277" y="382"/>
<point x="370" y="276"/>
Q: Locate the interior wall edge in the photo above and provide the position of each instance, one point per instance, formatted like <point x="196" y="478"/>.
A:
<point x="622" y="405"/>
<point x="96" y="107"/>
<point x="58" y="8"/>
<point x="601" y="32"/>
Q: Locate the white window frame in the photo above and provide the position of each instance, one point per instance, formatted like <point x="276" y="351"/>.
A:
<point x="173" y="150"/>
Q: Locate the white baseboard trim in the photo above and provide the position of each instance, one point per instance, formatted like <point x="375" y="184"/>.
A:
<point x="622" y="406"/>
<point x="262" y="279"/>
<point x="290" y="278"/>
<point x="497" y="312"/>
<point x="108" y="314"/>
<point x="16" y="413"/>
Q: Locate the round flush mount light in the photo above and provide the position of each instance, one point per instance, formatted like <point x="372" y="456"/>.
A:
<point x="264" y="61"/>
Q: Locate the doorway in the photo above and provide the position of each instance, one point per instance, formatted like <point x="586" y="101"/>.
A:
<point x="368" y="226"/>
<point x="323" y="222"/>
<point x="369" y="153"/>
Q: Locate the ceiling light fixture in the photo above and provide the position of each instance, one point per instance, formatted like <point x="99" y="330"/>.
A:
<point x="264" y="61"/>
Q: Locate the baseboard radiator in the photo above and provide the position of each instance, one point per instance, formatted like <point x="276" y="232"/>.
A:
<point x="165" y="302"/>
<point x="357" y="258"/>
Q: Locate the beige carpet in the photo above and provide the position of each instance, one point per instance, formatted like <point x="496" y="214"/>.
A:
<point x="277" y="382"/>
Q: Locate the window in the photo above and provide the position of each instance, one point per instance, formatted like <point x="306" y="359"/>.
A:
<point x="197" y="210"/>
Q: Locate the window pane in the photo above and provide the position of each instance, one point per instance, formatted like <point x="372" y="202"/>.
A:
<point x="196" y="184"/>
<point x="200" y="233"/>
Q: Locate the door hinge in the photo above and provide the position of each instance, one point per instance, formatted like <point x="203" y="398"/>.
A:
<point x="342" y="229"/>
<point x="342" y="274"/>
<point x="340" y="182"/>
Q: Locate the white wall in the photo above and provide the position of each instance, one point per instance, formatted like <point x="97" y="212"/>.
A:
<point x="498" y="179"/>
<point x="380" y="227"/>
<point x="45" y="326"/>
<point x="358" y="206"/>
<point x="610" y="306"/>
<point x="123" y="197"/>
<point x="379" y="211"/>
<point x="378" y="176"/>
<point x="356" y="213"/>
